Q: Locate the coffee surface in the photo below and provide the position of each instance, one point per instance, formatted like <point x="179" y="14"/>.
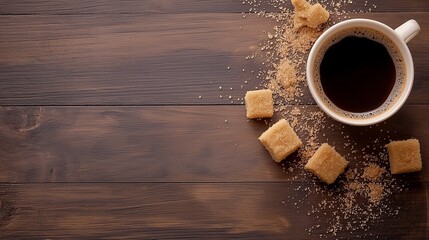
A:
<point x="357" y="74"/>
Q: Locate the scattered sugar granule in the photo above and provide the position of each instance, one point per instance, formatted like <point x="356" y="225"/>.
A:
<point x="375" y="192"/>
<point x="373" y="172"/>
<point x="286" y="78"/>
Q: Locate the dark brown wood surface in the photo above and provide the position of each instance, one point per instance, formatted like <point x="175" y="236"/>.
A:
<point x="103" y="133"/>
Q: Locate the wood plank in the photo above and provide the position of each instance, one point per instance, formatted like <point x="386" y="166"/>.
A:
<point x="173" y="144"/>
<point x="120" y="7"/>
<point x="179" y="6"/>
<point x="163" y="211"/>
<point x="147" y="60"/>
<point x="122" y="60"/>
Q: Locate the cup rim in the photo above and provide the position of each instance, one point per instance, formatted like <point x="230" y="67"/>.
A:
<point x="403" y="49"/>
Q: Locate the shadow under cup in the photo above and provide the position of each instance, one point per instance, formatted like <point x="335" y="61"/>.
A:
<point x="346" y="36"/>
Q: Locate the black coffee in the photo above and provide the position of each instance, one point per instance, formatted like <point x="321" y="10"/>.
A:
<point x="357" y="74"/>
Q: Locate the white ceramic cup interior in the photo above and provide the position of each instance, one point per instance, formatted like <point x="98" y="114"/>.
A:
<point x="400" y="36"/>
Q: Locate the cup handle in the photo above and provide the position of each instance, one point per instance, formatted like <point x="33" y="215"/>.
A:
<point x="408" y="30"/>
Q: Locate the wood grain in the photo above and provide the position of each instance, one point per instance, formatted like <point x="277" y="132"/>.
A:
<point x="188" y="211"/>
<point x="178" y="6"/>
<point x="168" y="144"/>
<point x="148" y="59"/>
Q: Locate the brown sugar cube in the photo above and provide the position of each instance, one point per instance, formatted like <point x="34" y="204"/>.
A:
<point x="326" y="164"/>
<point x="301" y="13"/>
<point x="404" y="156"/>
<point x="300" y="5"/>
<point x="259" y="104"/>
<point x="317" y="15"/>
<point x="280" y="140"/>
<point x="309" y="15"/>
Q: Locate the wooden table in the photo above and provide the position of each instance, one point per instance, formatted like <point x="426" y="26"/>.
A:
<point x="103" y="133"/>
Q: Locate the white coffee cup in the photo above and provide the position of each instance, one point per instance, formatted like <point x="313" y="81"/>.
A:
<point x="399" y="37"/>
